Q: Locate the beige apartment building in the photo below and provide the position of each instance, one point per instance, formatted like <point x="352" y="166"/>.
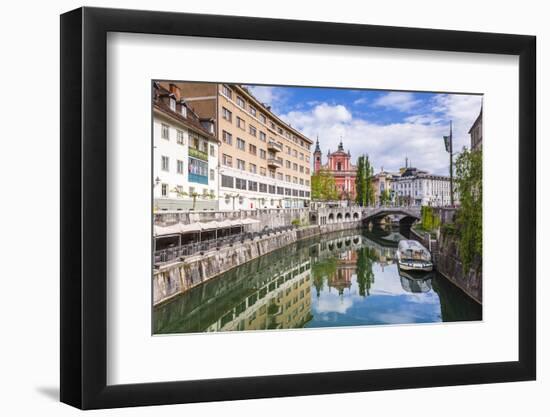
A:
<point x="263" y="161"/>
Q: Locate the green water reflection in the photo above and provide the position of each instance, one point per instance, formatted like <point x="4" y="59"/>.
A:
<point x="344" y="279"/>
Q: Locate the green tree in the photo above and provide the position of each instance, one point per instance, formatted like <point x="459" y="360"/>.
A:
<point x="365" y="275"/>
<point x="323" y="186"/>
<point x="469" y="185"/>
<point x="385" y="197"/>
<point x="359" y="190"/>
<point x="363" y="182"/>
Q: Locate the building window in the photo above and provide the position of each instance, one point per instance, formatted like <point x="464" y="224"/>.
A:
<point x="263" y="153"/>
<point x="179" y="137"/>
<point x="307" y="170"/>
<point x="227" y="115"/>
<point x="339" y="166"/>
<point x="212" y="150"/>
<point x="301" y="156"/>
<point x="240" y="184"/>
<point x="198" y="171"/>
<point x="295" y="166"/>
<point x="288" y="150"/>
<point x="180" y="167"/>
<point x="252" y="130"/>
<point x="288" y="163"/>
<point x="252" y="168"/>
<point x="279" y="176"/>
<point x="272" y="191"/>
<point x="252" y="186"/>
<point x="172" y="104"/>
<point x="253" y="111"/>
<point x="179" y="191"/>
<point x="227" y="181"/>
<point x="301" y="181"/>
<point x="287" y="178"/>
<point x="252" y="149"/>
<point x="165" y="131"/>
<point x="240" y="102"/>
<point x="227" y="137"/>
<point x="263" y="136"/>
<point x="280" y="190"/>
<point x="263" y="188"/>
<point x="227" y="160"/>
<point x="164" y="190"/>
<point x="240" y="123"/>
<point x="263" y="171"/>
<point x="295" y="153"/>
<point x="165" y="163"/>
<point x="240" y="164"/>
<point x="307" y="183"/>
<point x="212" y="175"/>
<point x="227" y="92"/>
<point x="262" y="118"/>
<point x="241" y="144"/>
<point x="301" y="169"/>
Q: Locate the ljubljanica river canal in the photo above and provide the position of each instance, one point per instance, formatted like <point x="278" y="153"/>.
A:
<point x="344" y="279"/>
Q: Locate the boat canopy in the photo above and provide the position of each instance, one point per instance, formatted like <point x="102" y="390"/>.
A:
<point x="411" y="249"/>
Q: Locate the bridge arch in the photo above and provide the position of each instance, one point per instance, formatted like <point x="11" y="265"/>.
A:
<point x="355" y="216"/>
<point x="347" y="217"/>
<point x="331" y="218"/>
<point x="339" y="217"/>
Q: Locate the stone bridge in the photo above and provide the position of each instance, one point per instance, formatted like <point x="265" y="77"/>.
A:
<point x="322" y="216"/>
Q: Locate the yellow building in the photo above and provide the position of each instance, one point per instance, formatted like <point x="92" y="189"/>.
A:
<point x="282" y="303"/>
<point x="263" y="161"/>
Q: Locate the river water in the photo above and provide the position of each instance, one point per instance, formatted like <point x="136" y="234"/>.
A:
<point x="344" y="279"/>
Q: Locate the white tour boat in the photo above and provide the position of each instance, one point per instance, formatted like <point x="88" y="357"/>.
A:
<point x="412" y="256"/>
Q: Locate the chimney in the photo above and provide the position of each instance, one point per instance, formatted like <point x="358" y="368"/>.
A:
<point x="175" y="90"/>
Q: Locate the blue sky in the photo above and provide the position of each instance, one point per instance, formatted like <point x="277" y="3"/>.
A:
<point x="386" y="125"/>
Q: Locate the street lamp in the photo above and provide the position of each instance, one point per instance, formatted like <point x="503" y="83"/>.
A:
<point x="449" y="148"/>
<point x="157" y="181"/>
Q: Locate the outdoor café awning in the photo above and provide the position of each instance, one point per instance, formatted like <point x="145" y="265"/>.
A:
<point x="201" y="226"/>
<point x="176" y="229"/>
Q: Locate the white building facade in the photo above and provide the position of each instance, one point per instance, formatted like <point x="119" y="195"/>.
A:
<point x="185" y="156"/>
<point x="422" y="189"/>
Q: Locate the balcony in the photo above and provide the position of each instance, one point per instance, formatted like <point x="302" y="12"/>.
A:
<point x="195" y="153"/>
<point x="274" y="163"/>
<point x="274" y="146"/>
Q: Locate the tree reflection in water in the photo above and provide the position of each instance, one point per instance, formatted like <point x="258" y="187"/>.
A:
<point x="342" y="279"/>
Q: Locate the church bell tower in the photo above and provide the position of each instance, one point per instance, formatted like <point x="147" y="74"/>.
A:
<point x="317" y="156"/>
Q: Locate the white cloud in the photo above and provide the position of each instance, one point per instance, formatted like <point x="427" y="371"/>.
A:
<point x="403" y="102"/>
<point x="332" y="303"/>
<point x="361" y="100"/>
<point x="271" y="96"/>
<point x="419" y="137"/>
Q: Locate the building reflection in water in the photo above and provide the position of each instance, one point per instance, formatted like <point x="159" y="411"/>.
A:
<point x="286" y="289"/>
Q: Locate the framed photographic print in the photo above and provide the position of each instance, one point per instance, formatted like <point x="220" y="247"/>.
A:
<point x="256" y="208"/>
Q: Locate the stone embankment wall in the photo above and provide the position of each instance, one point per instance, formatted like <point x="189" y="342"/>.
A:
<point x="174" y="278"/>
<point x="450" y="265"/>
<point x="447" y="262"/>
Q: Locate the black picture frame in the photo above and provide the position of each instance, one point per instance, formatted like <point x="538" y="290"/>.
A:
<point x="84" y="207"/>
